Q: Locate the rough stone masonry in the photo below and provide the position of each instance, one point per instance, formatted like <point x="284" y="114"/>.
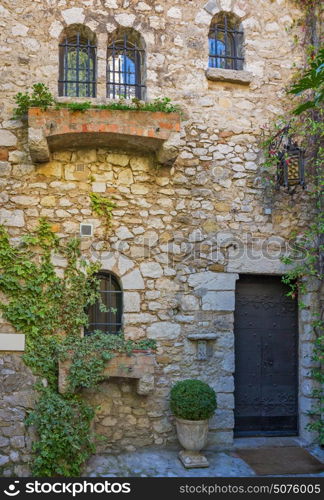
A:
<point x="181" y="234"/>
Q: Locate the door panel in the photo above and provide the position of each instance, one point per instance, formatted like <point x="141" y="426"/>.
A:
<point x="266" y="342"/>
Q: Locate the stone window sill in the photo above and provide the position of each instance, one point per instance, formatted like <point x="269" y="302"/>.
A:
<point x="229" y="75"/>
<point x="140" y="365"/>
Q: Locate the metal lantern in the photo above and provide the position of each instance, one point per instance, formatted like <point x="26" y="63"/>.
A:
<point x="291" y="170"/>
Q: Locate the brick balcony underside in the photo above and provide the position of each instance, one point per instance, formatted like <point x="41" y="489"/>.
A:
<point x="139" y="131"/>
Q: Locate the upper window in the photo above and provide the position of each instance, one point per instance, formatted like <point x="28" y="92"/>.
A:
<point x="225" y="43"/>
<point x="111" y="294"/>
<point x="125" y="66"/>
<point x="77" y="76"/>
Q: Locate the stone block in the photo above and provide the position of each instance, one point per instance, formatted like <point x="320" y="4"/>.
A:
<point x="74" y="15"/>
<point x="27" y="201"/>
<point x="17" y="156"/>
<point x="13" y="218"/>
<point x="145" y="385"/>
<point x="223" y="419"/>
<point x="189" y="303"/>
<point x="220" y="440"/>
<point x="38" y="146"/>
<point x="48" y="201"/>
<point x="125" y="177"/>
<point x="3" y="441"/>
<point x="99" y="187"/>
<point x="140" y="163"/>
<point x="5" y="169"/>
<point x="73" y="174"/>
<point x="123" y="233"/>
<point x="126" y="20"/>
<point x="118" y="159"/>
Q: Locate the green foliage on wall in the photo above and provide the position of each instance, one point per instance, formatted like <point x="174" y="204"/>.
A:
<point x="50" y="309"/>
<point x="193" y="399"/>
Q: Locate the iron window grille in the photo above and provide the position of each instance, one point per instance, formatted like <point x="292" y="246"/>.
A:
<point x="77" y="67"/>
<point x="225" y="45"/>
<point x="111" y="294"/>
<point x="125" y="70"/>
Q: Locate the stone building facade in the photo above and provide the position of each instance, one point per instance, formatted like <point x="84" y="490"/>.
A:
<point x="182" y="233"/>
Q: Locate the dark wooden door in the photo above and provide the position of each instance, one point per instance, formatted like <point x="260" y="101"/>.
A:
<point x="266" y="358"/>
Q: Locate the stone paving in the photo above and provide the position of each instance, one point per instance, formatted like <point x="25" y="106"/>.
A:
<point x="165" y="463"/>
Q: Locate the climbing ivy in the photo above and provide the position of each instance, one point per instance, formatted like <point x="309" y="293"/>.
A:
<point x="50" y="309"/>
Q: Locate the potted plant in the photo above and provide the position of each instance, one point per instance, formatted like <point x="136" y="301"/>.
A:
<point x="192" y="402"/>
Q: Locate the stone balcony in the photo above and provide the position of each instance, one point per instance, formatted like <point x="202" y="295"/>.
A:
<point x="129" y="130"/>
<point x="140" y="365"/>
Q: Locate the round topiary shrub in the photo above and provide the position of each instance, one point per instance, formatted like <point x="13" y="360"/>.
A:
<point x="193" y="400"/>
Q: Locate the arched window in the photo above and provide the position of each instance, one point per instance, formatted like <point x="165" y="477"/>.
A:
<point x="111" y="294"/>
<point x="77" y="54"/>
<point x="225" y="43"/>
<point x="126" y="66"/>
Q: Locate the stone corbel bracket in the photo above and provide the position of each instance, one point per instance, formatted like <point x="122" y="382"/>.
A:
<point x="134" y="131"/>
<point x="139" y="366"/>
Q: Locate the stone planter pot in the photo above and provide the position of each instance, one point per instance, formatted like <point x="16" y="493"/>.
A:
<point x="192" y="435"/>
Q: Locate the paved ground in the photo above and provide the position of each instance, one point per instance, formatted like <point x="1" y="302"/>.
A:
<point x="165" y="463"/>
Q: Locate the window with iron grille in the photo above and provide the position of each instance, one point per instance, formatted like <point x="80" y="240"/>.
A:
<point x="125" y="68"/>
<point x="109" y="321"/>
<point x="225" y="44"/>
<point x="77" y="77"/>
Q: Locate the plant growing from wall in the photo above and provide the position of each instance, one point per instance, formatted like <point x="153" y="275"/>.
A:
<point x="50" y="310"/>
<point x="41" y="97"/>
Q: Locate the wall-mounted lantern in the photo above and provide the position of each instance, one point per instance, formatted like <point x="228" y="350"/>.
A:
<point x="291" y="165"/>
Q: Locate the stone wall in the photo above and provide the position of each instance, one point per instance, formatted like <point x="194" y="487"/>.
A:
<point x="180" y="234"/>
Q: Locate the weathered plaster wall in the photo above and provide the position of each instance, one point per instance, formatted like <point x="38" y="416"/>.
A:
<point x="180" y="235"/>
